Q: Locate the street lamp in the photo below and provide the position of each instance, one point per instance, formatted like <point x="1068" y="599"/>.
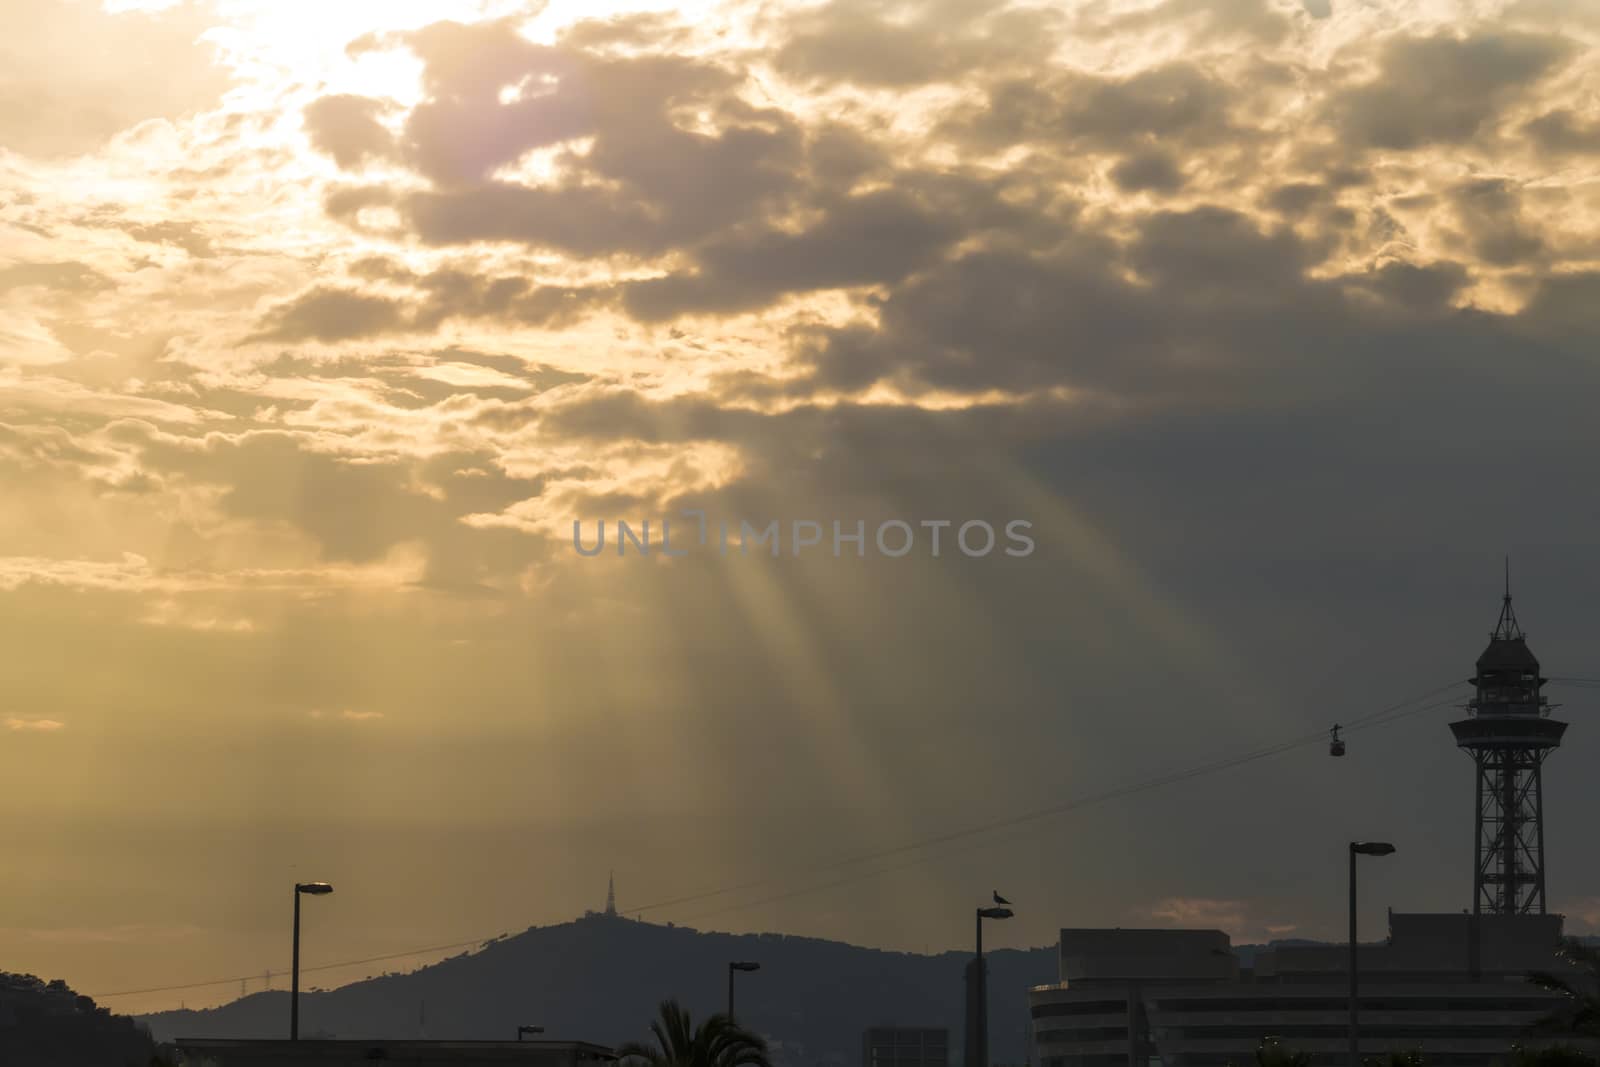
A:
<point x="528" y="1030"/>
<point x="739" y="965"/>
<point x="316" y="889"/>
<point x="1358" y="848"/>
<point x="980" y="1040"/>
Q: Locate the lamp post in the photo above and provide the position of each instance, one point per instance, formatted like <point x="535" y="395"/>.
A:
<point x="980" y="1043"/>
<point x="737" y="965"/>
<point x="1358" y="848"/>
<point x="316" y="889"/>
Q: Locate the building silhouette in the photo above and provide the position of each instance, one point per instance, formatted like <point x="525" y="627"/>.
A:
<point x="1451" y="985"/>
<point x="898" y="1046"/>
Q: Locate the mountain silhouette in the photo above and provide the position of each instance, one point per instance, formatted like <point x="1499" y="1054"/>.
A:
<point x="47" y="1024"/>
<point x="601" y="977"/>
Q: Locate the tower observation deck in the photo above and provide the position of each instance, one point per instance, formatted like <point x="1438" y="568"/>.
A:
<point x="1508" y="732"/>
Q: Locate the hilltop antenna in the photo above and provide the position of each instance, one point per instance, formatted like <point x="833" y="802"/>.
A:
<point x="611" y="894"/>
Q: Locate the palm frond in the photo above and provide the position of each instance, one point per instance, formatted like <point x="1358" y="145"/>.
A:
<point x="717" y="1042"/>
<point x="1579" y="990"/>
<point x="633" y="1050"/>
<point x="1580" y="953"/>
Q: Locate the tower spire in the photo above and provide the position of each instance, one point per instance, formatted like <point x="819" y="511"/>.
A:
<point x="611" y="893"/>
<point x="1506" y="629"/>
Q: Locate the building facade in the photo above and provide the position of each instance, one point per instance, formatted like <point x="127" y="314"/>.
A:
<point x="1452" y="986"/>
<point x="898" y="1046"/>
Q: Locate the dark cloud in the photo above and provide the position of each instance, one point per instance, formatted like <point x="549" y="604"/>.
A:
<point x="191" y="237"/>
<point x="675" y="160"/>
<point x="879" y="43"/>
<point x="461" y="137"/>
<point x="380" y="269"/>
<point x="185" y="235"/>
<point x="1296" y="198"/>
<point x="1166" y="102"/>
<point x="347" y="128"/>
<point x="1176" y="105"/>
<point x="1215" y="254"/>
<point x="67" y="277"/>
<point x="346" y="203"/>
<point x="466" y="129"/>
<point x="872" y="239"/>
<point x="624" y="415"/>
<point x="1562" y="308"/>
<point x="645" y="187"/>
<point x="1490" y="213"/>
<point x="1444" y="88"/>
<point x="447" y="294"/>
<point x="1155" y="172"/>
<point x="1421" y="287"/>
<point x="997" y="319"/>
<point x="1563" y="131"/>
<point x="579" y="220"/>
<point x="1199" y="307"/>
<point x="328" y="314"/>
<point x="1205" y="20"/>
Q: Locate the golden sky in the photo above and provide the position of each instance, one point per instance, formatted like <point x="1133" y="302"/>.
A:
<point x="320" y="323"/>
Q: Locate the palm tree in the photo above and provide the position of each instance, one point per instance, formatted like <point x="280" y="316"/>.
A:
<point x="717" y="1042"/>
<point x="1579" y="1016"/>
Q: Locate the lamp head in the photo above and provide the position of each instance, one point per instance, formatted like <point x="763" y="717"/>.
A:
<point x="1371" y="848"/>
<point x="996" y="913"/>
<point x="316" y="889"/>
<point x="745" y="965"/>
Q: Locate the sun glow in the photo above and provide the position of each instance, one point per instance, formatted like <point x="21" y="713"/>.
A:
<point x="281" y="47"/>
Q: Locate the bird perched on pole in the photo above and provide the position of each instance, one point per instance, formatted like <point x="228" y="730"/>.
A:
<point x="998" y="899"/>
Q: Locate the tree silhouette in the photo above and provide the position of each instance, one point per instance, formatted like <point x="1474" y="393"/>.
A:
<point x="717" y="1042"/>
<point x="1273" y="1053"/>
<point x="1556" y="1056"/>
<point x="1579" y="1014"/>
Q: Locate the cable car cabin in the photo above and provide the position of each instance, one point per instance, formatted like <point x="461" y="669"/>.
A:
<point x="1335" y="742"/>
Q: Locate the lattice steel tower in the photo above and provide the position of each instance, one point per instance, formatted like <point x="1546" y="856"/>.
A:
<point x="1508" y="733"/>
